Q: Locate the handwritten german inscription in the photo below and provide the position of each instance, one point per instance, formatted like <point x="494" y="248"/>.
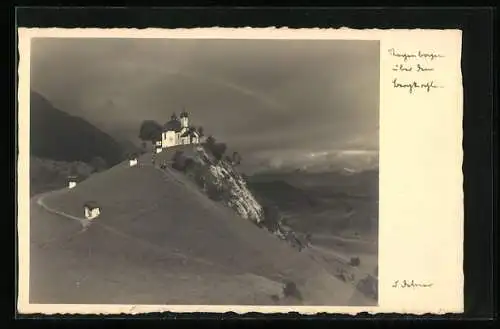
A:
<point x="413" y="70"/>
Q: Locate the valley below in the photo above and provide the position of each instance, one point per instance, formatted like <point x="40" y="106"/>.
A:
<point x="339" y="214"/>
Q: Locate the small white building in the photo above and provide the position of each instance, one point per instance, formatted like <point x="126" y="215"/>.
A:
<point x="132" y="162"/>
<point x="71" y="181"/>
<point x="91" y="210"/>
<point x="159" y="149"/>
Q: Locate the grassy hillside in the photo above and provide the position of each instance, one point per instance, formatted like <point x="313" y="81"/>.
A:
<point x="59" y="136"/>
<point x="167" y="210"/>
<point x="107" y="267"/>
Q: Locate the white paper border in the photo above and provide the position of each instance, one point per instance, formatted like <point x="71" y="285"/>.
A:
<point x="421" y="243"/>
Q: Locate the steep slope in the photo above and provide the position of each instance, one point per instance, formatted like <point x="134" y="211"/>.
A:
<point x="57" y="135"/>
<point x="165" y="210"/>
<point x="218" y="179"/>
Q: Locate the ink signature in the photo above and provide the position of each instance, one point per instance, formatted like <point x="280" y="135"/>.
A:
<point x="410" y="284"/>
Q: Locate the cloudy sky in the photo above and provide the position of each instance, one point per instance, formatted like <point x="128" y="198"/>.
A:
<point x="260" y="96"/>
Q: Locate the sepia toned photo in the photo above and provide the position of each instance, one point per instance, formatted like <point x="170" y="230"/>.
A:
<point x="204" y="171"/>
<point x="216" y="170"/>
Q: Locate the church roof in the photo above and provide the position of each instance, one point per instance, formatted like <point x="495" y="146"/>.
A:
<point x="174" y="125"/>
<point x="91" y="205"/>
<point x="184" y="114"/>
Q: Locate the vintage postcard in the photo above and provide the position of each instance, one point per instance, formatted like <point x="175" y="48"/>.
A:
<point x="247" y="170"/>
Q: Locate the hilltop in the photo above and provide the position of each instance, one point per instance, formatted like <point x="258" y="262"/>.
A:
<point x="167" y="210"/>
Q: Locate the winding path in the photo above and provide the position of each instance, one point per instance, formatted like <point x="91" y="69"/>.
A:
<point x="86" y="223"/>
<point x="40" y="201"/>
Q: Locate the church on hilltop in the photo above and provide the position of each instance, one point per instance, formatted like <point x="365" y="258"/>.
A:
<point x="177" y="131"/>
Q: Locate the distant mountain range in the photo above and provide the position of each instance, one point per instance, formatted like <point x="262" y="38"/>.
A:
<point x="344" y="161"/>
<point x="59" y="136"/>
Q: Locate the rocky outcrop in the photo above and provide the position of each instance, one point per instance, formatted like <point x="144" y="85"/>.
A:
<point x="220" y="180"/>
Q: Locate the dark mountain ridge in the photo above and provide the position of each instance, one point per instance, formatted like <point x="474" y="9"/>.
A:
<point x="59" y="136"/>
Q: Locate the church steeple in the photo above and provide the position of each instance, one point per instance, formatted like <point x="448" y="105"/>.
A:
<point x="174" y="116"/>
<point x="184" y="119"/>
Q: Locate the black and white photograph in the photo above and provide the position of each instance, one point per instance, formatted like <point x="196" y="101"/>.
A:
<point x="184" y="171"/>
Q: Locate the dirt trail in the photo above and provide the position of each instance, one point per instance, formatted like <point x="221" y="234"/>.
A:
<point x="85" y="223"/>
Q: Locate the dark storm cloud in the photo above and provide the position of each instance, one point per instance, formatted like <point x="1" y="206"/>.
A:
<point x="254" y="94"/>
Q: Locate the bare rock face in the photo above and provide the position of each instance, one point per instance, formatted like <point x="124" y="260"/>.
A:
<point x="240" y="198"/>
<point x="220" y="181"/>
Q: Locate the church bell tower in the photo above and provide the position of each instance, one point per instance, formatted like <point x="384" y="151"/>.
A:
<point x="184" y="119"/>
